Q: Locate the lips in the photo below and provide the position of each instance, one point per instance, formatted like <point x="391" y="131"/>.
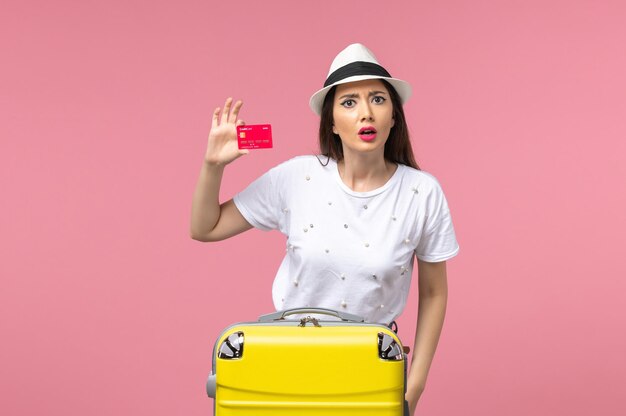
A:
<point x="367" y="133"/>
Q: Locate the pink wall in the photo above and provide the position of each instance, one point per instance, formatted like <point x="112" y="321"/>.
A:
<point x="108" y="307"/>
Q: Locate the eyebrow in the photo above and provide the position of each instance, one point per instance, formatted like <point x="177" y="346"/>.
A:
<point x="355" y="95"/>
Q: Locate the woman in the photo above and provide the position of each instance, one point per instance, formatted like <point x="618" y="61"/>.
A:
<point x="355" y="218"/>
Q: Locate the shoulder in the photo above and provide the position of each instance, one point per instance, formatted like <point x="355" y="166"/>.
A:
<point x="423" y="181"/>
<point x="304" y="163"/>
<point x="299" y="169"/>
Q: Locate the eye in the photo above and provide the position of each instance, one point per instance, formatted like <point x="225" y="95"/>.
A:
<point x="378" y="99"/>
<point x="349" y="103"/>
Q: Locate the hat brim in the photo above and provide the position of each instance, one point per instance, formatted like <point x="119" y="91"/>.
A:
<point x="403" y="89"/>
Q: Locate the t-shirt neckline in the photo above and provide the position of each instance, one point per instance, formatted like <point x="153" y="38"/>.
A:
<point x="366" y="194"/>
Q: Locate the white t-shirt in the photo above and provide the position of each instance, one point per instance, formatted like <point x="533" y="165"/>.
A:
<point x="346" y="250"/>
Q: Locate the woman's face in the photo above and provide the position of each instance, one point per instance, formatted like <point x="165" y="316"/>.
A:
<point x="362" y="116"/>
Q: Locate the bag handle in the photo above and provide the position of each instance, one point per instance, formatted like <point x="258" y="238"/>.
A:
<point x="280" y="315"/>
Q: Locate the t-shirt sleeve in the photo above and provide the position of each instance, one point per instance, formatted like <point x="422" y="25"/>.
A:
<point x="259" y="203"/>
<point x="438" y="240"/>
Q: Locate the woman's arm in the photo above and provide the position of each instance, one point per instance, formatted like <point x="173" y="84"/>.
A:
<point x="211" y="221"/>
<point x="433" y="297"/>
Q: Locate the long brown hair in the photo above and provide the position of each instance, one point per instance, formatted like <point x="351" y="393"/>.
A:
<point x="398" y="146"/>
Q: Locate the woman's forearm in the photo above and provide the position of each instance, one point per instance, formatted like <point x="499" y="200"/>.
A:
<point x="431" y="314"/>
<point x="431" y="311"/>
<point x="205" y="209"/>
<point x="222" y="149"/>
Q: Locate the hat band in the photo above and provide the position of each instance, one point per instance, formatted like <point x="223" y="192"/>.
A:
<point x="356" y="68"/>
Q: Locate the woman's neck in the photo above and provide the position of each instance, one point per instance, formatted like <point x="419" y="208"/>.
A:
<point x="365" y="172"/>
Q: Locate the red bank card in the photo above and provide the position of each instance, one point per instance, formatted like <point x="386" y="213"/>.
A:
<point x="254" y="136"/>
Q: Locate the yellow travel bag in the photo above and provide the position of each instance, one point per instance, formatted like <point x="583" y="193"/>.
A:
<point x="308" y="367"/>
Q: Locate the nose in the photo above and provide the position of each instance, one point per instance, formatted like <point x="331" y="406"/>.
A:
<point x="366" y="112"/>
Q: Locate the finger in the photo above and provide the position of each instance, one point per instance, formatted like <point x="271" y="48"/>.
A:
<point x="241" y="123"/>
<point x="235" y="112"/>
<point x="216" y="116"/>
<point x="226" y="111"/>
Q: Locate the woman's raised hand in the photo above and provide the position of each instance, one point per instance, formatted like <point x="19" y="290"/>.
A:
<point x="222" y="147"/>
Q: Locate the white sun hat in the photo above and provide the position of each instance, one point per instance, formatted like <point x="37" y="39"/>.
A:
<point x="356" y="63"/>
